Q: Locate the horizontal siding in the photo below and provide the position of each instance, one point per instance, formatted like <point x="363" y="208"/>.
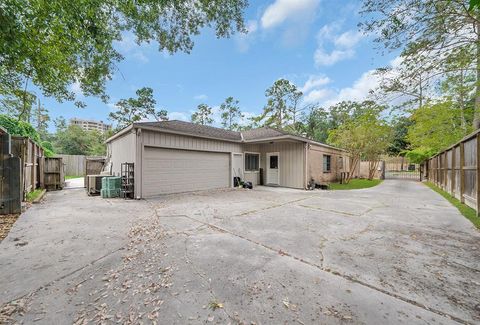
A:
<point x="167" y="140"/>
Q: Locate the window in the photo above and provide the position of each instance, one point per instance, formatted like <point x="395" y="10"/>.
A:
<point x="340" y="162"/>
<point x="273" y="162"/>
<point x="252" y="161"/>
<point x="327" y="163"/>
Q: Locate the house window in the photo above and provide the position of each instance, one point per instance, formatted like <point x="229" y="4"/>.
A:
<point x="327" y="160"/>
<point x="252" y="162"/>
<point x="340" y="162"/>
<point x="273" y="162"/>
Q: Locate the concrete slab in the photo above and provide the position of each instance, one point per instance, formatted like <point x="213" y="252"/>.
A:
<point x="396" y="253"/>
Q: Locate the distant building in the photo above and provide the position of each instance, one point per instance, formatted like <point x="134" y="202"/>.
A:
<point x="90" y="125"/>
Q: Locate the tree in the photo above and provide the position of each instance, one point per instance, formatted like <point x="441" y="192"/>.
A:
<point x="436" y="126"/>
<point x="430" y="34"/>
<point x="203" y="115"/>
<point x="73" y="140"/>
<point x="132" y="110"/>
<point x="19" y="105"/>
<point x="230" y="113"/>
<point x="366" y="136"/>
<point x="400" y="143"/>
<point x="54" y="44"/>
<point x="316" y="124"/>
<point x="41" y="119"/>
<point x="281" y="109"/>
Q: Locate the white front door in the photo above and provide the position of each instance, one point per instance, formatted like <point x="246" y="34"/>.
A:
<point x="273" y="165"/>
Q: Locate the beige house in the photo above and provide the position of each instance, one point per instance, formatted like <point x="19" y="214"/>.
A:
<point x="176" y="156"/>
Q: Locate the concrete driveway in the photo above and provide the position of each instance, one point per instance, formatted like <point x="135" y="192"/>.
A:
<point x="395" y="253"/>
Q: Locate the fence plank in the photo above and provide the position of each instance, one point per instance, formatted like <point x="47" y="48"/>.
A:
<point x="478" y="175"/>
<point x="462" y="172"/>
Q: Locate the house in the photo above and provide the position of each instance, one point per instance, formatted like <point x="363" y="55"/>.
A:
<point x="176" y="156"/>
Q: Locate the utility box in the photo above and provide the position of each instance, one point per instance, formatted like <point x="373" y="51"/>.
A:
<point x="10" y="180"/>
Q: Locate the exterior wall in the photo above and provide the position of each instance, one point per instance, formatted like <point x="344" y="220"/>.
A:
<point x="315" y="164"/>
<point x="149" y="138"/>
<point x="121" y="150"/>
<point x="291" y="162"/>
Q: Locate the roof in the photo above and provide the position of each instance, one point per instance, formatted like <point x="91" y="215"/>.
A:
<point x="205" y="131"/>
<point x="194" y="129"/>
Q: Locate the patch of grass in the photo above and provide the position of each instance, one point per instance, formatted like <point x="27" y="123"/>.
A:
<point x="72" y="176"/>
<point x="464" y="209"/>
<point x="355" y="184"/>
<point x="33" y="195"/>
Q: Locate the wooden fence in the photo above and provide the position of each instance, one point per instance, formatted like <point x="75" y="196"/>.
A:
<point x="30" y="155"/>
<point x="457" y="171"/>
<point x="74" y="164"/>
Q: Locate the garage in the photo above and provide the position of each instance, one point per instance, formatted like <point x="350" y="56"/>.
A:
<point x="168" y="171"/>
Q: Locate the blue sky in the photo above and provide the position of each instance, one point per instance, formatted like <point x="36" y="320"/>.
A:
<point x="313" y="43"/>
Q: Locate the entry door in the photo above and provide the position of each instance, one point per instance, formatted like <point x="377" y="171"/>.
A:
<point x="273" y="174"/>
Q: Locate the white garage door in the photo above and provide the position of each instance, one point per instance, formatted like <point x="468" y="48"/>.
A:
<point x="173" y="171"/>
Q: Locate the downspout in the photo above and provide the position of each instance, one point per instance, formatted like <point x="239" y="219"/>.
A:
<point x="305" y="171"/>
<point x="138" y="163"/>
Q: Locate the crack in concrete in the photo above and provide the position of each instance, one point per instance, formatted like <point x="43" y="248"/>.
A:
<point x="337" y="273"/>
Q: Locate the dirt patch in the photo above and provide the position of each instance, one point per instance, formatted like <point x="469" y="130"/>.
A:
<point x="6" y="223"/>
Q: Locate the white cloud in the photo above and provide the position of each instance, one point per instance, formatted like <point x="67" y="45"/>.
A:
<point x="341" y="45"/>
<point x="244" y="40"/>
<point x="128" y="47"/>
<point x="317" y="95"/>
<point x="283" y="10"/>
<point x="314" y="82"/>
<point x="360" y="90"/>
<point x="200" y="97"/>
<point x="76" y="89"/>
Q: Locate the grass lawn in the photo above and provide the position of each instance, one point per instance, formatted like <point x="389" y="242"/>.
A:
<point x="72" y="176"/>
<point x="355" y="184"/>
<point x="33" y="195"/>
<point x="467" y="212"/>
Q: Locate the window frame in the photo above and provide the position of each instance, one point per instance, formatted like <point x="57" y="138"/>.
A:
<point x="245" y="161"/>
<point x="340" y="162"/>
<point x="328" y="164"/>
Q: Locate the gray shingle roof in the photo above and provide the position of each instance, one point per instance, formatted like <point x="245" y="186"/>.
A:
<point x="195" y="129"/>
<point x="262" y="133"/>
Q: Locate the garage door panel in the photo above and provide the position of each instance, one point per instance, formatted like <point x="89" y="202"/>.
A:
<point x="173" y="171"/>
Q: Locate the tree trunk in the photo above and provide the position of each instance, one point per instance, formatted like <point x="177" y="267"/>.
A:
<point x="353" y="166"/>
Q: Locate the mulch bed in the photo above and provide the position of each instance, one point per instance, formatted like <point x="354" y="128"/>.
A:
<point x="6" y="223"/>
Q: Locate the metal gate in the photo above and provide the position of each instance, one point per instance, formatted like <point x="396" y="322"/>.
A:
<point x="400" y="168"/>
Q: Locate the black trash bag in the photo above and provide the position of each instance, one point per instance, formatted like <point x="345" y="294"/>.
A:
<point x="248" y="185"/>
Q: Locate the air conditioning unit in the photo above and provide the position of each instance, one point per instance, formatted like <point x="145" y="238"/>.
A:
<point x="94" y="184"/>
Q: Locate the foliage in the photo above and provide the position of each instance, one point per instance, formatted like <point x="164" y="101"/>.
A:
<point x="282" y="105"/>
<point x="73" y="140"/>
<point x="54" y="44"/>
<point x="366" y="136"/>
<point x="19" y="105"/>
<point x="464" y="209"/>
<point x="355" y="184"/>
<point x="24" y="129"/>
<point x="399" y="143"/>
<point x="436" y="126"/>
<point x="419" y="155"/>
<point x="132" y="110"/>
<point x="316" y="124"/>
<point x="431" y="34"/>
<point x="32" y="196"/>
<point x="203" y="115"/>
<point x="230" y="113"/>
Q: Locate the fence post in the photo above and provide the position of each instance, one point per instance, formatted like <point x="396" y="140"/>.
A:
<point x="462" y="171"/>
<point x="453" y="172"/>
<point x="477" y="183"/>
